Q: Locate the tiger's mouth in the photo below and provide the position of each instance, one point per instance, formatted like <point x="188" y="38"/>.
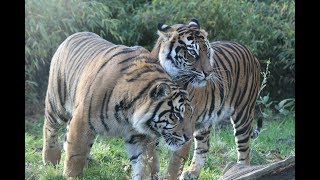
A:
<point x="200" y="81"/>
<point x="197" y="80"/>
<point x="173" y="143"/>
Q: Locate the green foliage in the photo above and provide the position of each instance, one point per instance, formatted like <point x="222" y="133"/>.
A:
<point x="265" y="27"/>
<point x="283" y="108"/>
<point x="48" y="23"/>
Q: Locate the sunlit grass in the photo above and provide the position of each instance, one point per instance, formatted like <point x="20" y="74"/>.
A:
<point x="110" y="161"/>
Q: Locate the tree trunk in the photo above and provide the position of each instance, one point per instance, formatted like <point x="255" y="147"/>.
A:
<point x="281" y="170"/>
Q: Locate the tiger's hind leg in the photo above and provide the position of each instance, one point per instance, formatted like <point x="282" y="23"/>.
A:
<point x="242" y="125"/>
<point x="51" y="151"/>
<point x="79" y="141"/>
<point x="201" y="149"/>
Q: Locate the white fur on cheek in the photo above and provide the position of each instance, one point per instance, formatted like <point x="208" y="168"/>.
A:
<point x="167" y="64"/>
<point x="211" y="56"/>
<point x="139" y="120"/>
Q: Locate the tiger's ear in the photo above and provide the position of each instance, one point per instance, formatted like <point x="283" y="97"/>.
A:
<point x="166" y="31"/>
<point x="162" y="90"/>
<point x="194" y="22"/>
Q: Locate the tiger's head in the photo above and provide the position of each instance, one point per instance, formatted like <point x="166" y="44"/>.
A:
<point x="162" y="114"/>
<point x="185" y="53"/>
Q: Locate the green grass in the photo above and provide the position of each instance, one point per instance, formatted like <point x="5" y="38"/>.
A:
<point x="109" y="159"/>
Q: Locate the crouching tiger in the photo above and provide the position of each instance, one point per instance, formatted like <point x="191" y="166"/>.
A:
<point x="97" y="87"/>
<point x="223" y="81"/>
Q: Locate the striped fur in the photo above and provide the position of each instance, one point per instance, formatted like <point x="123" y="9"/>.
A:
<point x="96" y="87"/>
<point x="223" y="81"/>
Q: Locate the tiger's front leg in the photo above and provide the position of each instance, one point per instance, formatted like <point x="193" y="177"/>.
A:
<point x="201" y="138"/>
<point x="78" y="145"/>
<point x="143" y="156"/>
<point x="177" y="161"/>
<point x="51" y="152"/>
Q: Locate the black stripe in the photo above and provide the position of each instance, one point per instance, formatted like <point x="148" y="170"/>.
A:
<point x="202" y="151"/>
<point x="134" y="157"/>
<point x="199" y="138"/>
<point x="152" y="60"/>
<point x="107" y="103"/>
<point x="245" y="140"/>
<point x="60" y="93"/>
<point x="102" y="117"/>
<point x="243" y="150"/>
<point x="181" y="28"/>
<point x="205" y="133"/>
<point x="242" y="130"/>
<point x="148" y="122"/>
<point x="145" y="89"/>
<point x="89" y="116"/>
<point x="145" y="71"/>
<point x="126" y="68"/>
<point x="155" y="111"/>
<point x="212" y="100"/>
<point x="169" y="53"/>
<point x="163" y="112"/>
<point x="118" y="107"/>
<point x="64" y="89"/>
<point x="239" y="115"/>
<point x="124" y="51"/>
<point x="127" y="59"/>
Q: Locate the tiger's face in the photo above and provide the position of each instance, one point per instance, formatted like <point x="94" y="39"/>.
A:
<point x="185" y="53"/>
<point x="165" y="116"/>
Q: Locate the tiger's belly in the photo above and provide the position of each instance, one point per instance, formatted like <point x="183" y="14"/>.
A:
<point x="205" y="120"/>
<point x="111" y="127"/>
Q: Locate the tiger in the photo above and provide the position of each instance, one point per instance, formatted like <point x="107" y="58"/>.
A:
<point x="223" y="81"/>
<point x="98" y="88"/>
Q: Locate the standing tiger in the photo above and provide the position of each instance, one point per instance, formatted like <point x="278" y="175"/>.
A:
<point x="97" y="87"/>
<point x="223" y="81"/>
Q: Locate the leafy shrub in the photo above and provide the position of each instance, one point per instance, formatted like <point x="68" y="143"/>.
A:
<point x="265" y="27"/>
<point x="48" y="23"/>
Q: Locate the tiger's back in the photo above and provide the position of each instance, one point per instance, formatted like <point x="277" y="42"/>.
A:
<point x="77" y="76"/>
<point x="98" y="87"/>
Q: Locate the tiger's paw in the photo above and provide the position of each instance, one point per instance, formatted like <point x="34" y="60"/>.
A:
<point x="51" y="155"/>
<point x="186" y="175"/>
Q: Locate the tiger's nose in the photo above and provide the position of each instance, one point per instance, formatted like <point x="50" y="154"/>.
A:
<point x="205" y="74"/>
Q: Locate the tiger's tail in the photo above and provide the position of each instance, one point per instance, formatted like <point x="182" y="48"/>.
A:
<point x="257" y="131"/>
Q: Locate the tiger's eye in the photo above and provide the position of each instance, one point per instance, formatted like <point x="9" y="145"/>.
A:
<point x="192" y="52"/>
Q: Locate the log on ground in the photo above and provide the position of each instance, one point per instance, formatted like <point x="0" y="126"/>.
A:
<point x="281" y="170"/>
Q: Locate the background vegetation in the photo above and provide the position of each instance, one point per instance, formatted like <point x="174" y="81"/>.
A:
<point x="267" y="27"/>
